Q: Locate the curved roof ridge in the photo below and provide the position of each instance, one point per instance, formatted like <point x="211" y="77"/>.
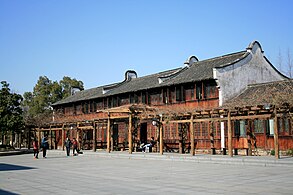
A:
<point x="171" y="75"/>
<point x="223" y="56"/>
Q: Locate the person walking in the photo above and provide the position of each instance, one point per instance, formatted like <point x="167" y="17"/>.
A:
<point x="255" y="146"/>
<point x="67" y="145"/>
<point x="74" y="143"/>
<point x="36" y="148"/>
<point x="45" y="146"/>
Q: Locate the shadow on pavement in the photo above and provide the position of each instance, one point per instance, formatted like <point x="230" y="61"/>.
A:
<point x="3" y="192"/>
<point x="10" y="167"/>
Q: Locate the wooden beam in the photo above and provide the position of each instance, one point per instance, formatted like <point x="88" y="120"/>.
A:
<point x="115" y="117"/>
<point x="54" y="129"/>
<point x="62" y="137"/>
<point x="276" y="135"/>
<point x="249" y="137"/>
<point x="77" y="138"/>
<point x="264" y="116"/>
<point x="94" y="137"/>
<point x="112" y="139"/>
<point x="130" y="134"/>
<point x="230" y="149"/>
<point x="255" y="108"/>
<point x="86" y="127"/>
<point x="161" y="136"/>
<point x="51" y="141"/>
<point x="39" y="137"/>
<point x="197" y="120"/>
<point x="192" y="136"/>
<point x="108" y="134"/>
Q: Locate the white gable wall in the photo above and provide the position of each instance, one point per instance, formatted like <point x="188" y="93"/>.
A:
<point x="254" y="68"/>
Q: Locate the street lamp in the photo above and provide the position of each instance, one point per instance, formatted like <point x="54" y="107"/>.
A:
<point x="158" y="123"/>
<point x="155" y="122"/>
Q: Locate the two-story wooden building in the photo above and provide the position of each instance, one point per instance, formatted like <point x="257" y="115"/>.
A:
<point x="119" y="115"/>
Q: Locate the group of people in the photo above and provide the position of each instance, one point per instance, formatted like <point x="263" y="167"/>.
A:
<point x="45" y="146"/>
<point x="148" y="147"/>
<point x="74" y="144"/>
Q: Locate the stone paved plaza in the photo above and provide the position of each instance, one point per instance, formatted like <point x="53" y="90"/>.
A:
<point x="102" y="173"/>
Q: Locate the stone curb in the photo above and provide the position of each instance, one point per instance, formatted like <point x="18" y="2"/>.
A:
<point x="236" y="160"/>
<point x="265" y="161"/>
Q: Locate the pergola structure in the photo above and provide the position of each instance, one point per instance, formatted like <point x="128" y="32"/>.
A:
<point x="272" y="105"/>
<point x="197" y="116"/>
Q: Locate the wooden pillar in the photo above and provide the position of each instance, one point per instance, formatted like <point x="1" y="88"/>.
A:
<point x="62" y="137"/>
<point x="276" y="134"/>
<point x="39" y="137"/>
<point x="191" y="136"/>
<point x="230" y="135"/>
<point x="82" y="142"/>
<point x="51" y="143"/>
<point x="130" y="134"/>
<point x="249" y="138"/>
<point x="112" y="140"/>
<point x="108" y="134"/>
<point x="94" y="137"/>
<point x="77" y="137"/>
<point x="161" y="136"/>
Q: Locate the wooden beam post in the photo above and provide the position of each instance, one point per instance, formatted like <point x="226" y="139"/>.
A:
<point x="78" y="136"/>
<point x="130" y="134"/>
<point x="39" y="137"/>
<point x="94" y="137"/>
<point x="62" y="137"/>
<point x="108" y="134"/>
<point x="249" y="137"/>
<point x="112" y="139"/>
<point x="191" y="136"/>
<point x="276" y="134"/>
<point x="161" y="135"/>
<point x="230" y="148"/>
<point x="51" y="141"/>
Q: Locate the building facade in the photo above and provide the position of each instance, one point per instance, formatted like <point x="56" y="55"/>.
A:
<point x="198" y="85"/>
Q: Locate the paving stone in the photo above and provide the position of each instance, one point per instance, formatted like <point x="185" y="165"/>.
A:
<point x="151" y="173"/>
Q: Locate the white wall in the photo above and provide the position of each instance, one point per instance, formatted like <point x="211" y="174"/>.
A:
<point x="254" y="68"/>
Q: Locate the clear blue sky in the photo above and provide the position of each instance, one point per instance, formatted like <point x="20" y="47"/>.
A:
<point x="96" y="41"/>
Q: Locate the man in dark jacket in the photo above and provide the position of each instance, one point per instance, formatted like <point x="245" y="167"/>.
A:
<point x="45" y="146"/>
<point x="67" y="145"/>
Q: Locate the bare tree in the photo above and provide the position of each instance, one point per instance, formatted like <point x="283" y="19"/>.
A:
<point x="289" y="64"/>
<point x="285" y="65"/>
<point x="280" y="61"/>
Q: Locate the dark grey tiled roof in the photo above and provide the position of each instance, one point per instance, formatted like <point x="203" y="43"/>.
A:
<point x="201" y="70"/>
<point x="134" y="84"/>
<point x="81" y="95"/>
<point x="274" y="93"/>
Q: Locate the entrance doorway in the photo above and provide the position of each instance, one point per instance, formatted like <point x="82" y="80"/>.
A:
<point x="143" y="133"/>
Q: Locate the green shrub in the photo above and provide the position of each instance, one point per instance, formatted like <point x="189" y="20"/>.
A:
<point x="273" y="152"/>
